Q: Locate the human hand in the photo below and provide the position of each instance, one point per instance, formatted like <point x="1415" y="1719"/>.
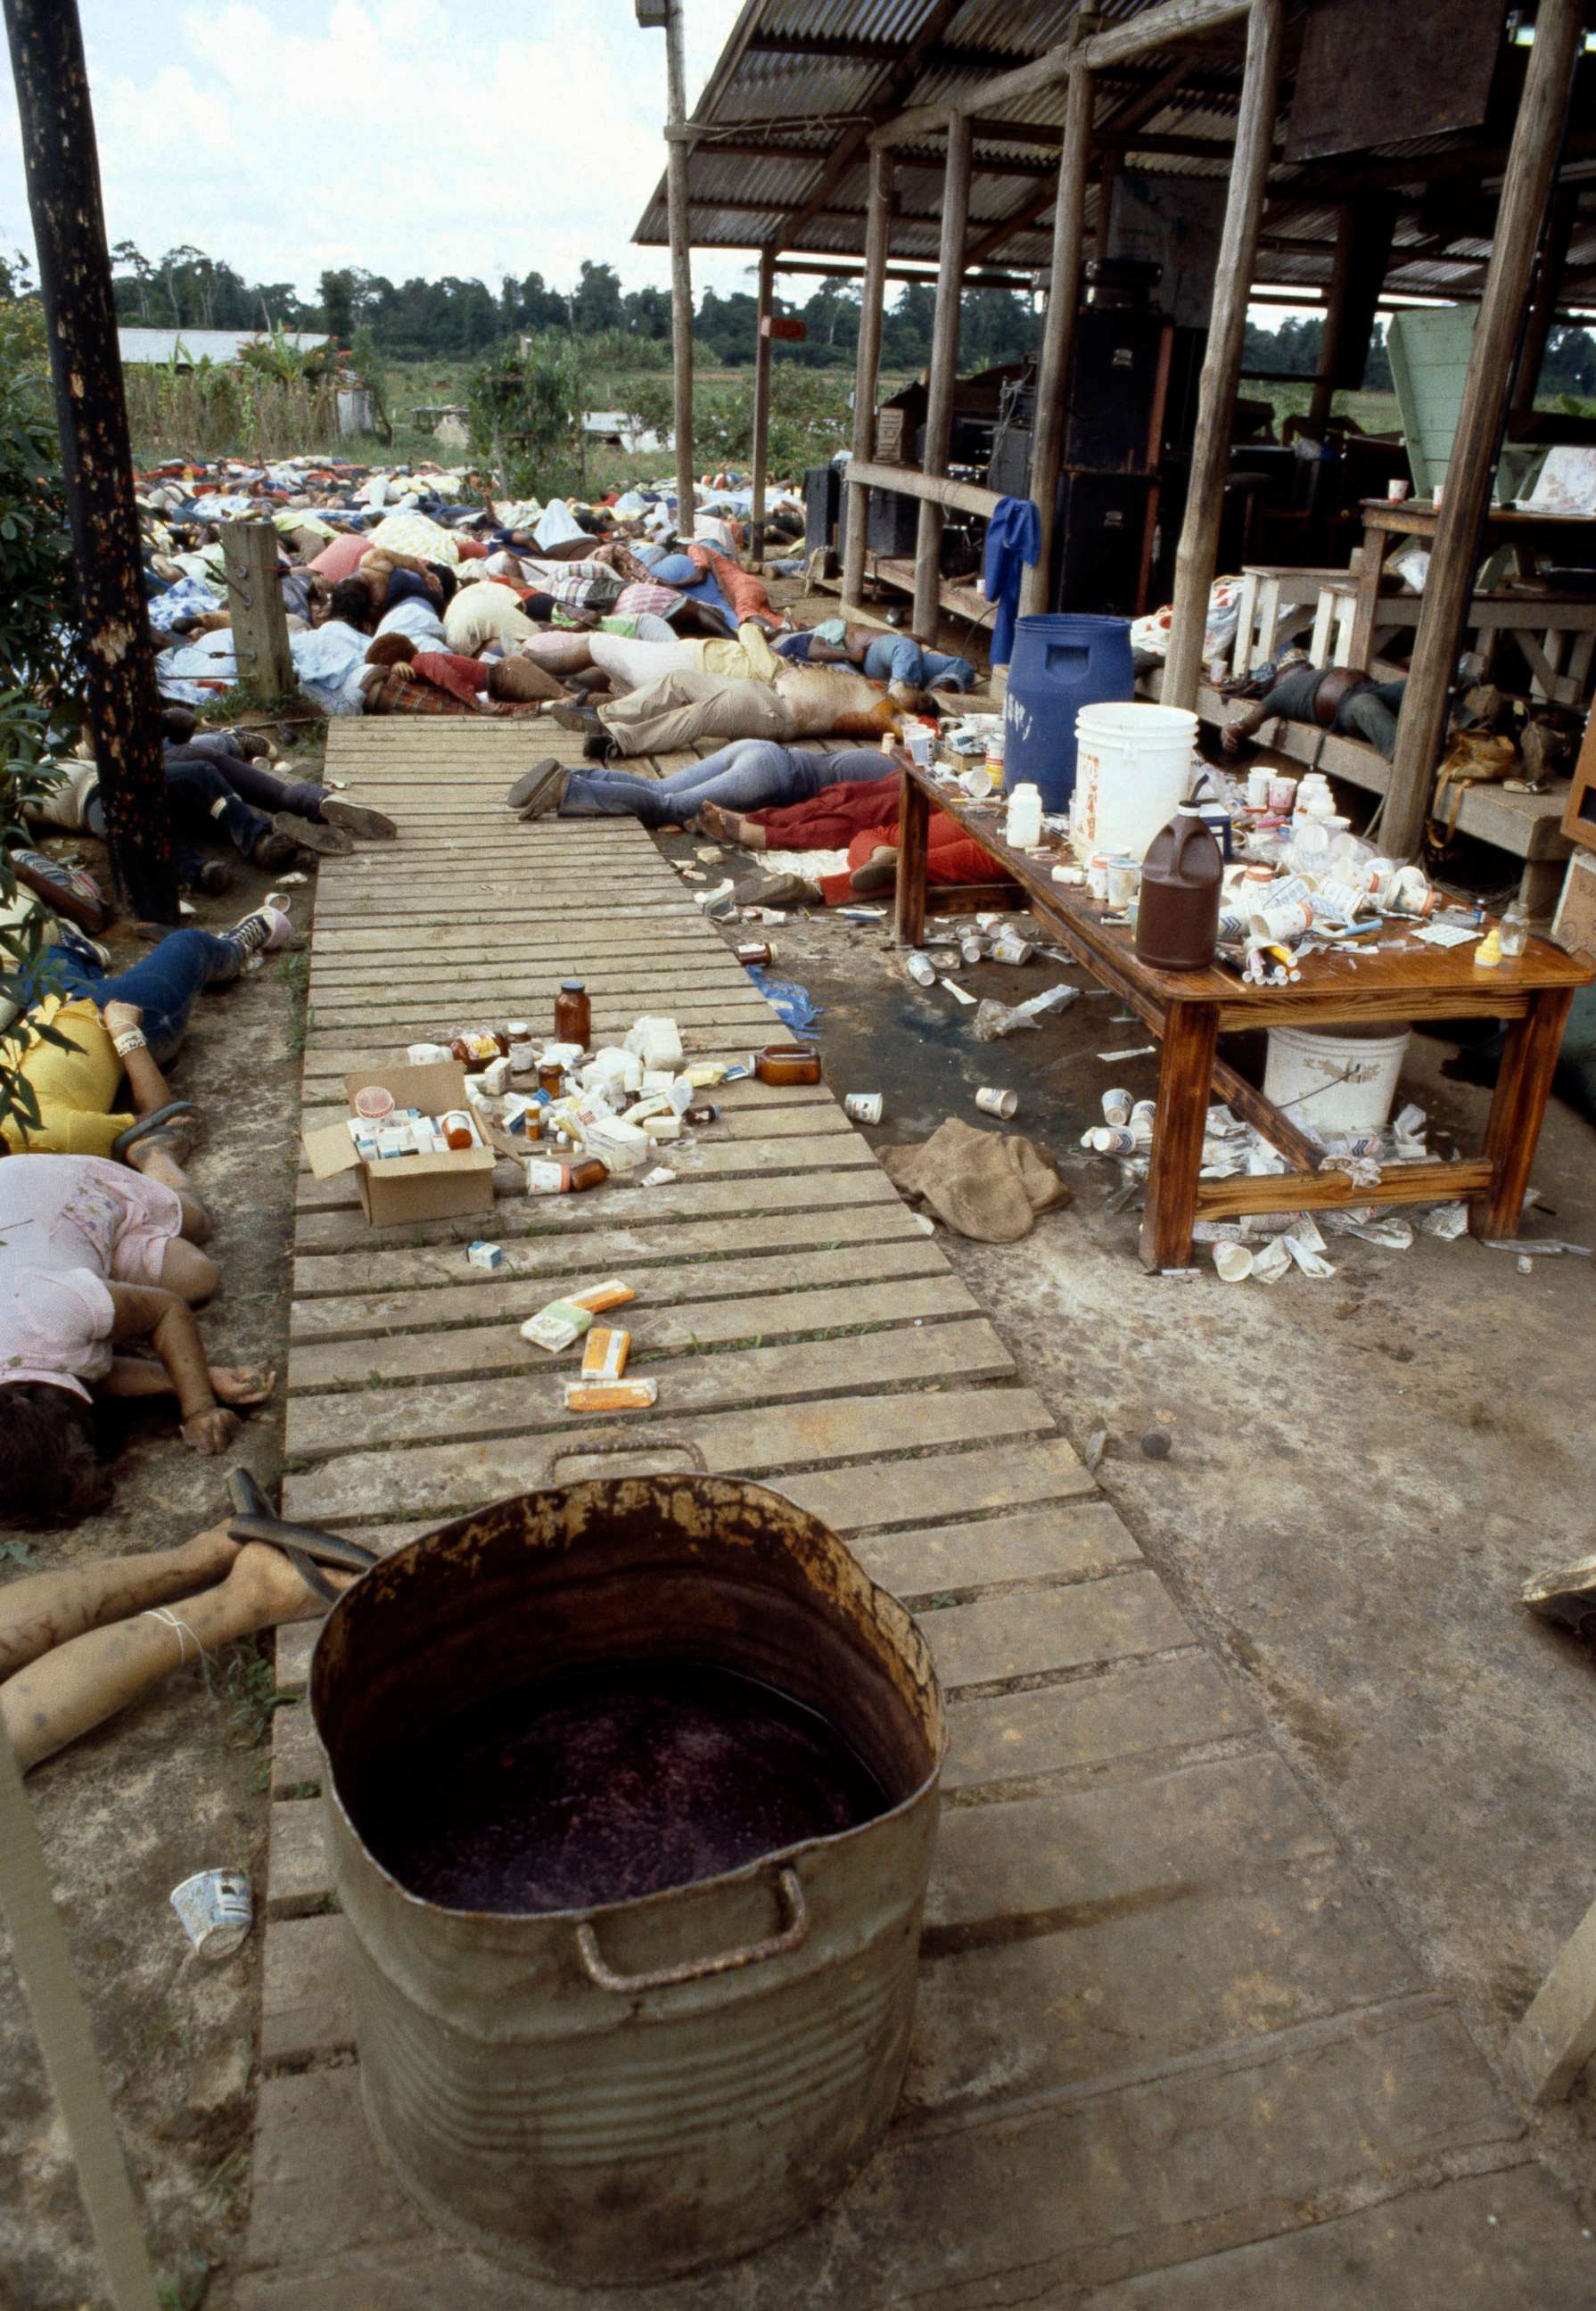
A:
<point x="239" y="1384"/>
<point x="211" y="1432"/>
<point x="1230" y="736"/>
<point x="121" y="1018"/>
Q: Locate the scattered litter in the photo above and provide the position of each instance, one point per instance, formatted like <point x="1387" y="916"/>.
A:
<point x="1526" y="1267"/>
<point x="988" y="1185"/>
<point x="1233" y="1260"/>
<point x="1137" y="1052"/>
<point x="660" y="1176"/>
<point x="1541" y="1248"/>
<point x="482" y="1255"/>
<point x="1447" y="1221"/>
<point x="709" y="854"/>
<point x="994" y="1020"/>
<point x="962" y="994"/>
<point x="558" y="1326"/>
<point x="796" y="1005"/>
<point x="862" y="914"/>
<point x="605" y="1353"/>
<point x="615" y="1396"/>
<point x="925" y="1223"/>
<point x="290" y="882"/>
<point x="863" y="1106"/>
<point x="1445" y="934"/>
<point x="1306" y="1245"/>
<point x="217" y="1910"/>
<point x="1097" y="1445"/>
<point x="994" y="1101"/>
<point x="716" y="897"/>
<point x="921" y="970"/>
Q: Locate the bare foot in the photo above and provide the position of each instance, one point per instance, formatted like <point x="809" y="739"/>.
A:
<point x="233" y="1384"/>
<point x="265" y="1582"/>
<point x="726" y="826"/>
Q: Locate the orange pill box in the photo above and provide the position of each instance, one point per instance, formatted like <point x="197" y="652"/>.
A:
<point x="604" y="1355"/>
<point x="610" y="1396"/>
<point x="596" y="1297"/>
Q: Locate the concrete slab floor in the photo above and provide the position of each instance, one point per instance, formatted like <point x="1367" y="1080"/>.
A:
<point x="1364" y="1470"/>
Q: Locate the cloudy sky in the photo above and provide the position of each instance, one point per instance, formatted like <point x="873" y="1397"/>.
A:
<point x="402" y="135"/>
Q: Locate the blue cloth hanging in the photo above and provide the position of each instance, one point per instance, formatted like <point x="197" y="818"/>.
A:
<point x="1014" y="539"/>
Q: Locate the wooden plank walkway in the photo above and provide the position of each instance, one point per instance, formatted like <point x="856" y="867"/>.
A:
<point x="1168" y="2055"/>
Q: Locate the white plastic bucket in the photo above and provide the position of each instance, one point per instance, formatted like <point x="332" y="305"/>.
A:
<point x="1133" y="764"/>
<point x="1334" y="1080"/>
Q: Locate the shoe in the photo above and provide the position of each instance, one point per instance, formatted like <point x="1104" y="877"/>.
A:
<point x="600" y="748"/>
<point x="305" y="835"/>
<point x="526" y="786"/>
<point x="263" y="932"/>
<point x="571" y="715"/>
<point x="779" y="891"/>
<point x="878" y="873"/>
<point x="273" y="850"/>
<point x="547" y="798"/>
<point x="357" y="818"/>
<point x="253" y="748"/>
<point x="215" y="876"/>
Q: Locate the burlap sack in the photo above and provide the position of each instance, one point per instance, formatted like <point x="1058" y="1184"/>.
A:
<point x="989" y="1185"/>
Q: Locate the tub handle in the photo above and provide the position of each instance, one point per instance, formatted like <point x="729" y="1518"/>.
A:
<point x="794" y="1934"/>
<point x="601" y="1440"/>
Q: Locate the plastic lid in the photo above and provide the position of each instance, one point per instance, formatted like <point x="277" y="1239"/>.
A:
<point x="1188" y="810"/>
<point x="572" y="986"/>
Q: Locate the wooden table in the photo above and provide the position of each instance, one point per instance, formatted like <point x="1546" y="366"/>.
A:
<point x="1385" y="519"/>
<point x="1189" y="1010"/>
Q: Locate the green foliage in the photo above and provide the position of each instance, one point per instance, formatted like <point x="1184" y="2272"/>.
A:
<point x="648" y="406"/>
<point x="526" y="413"/>
<point x="810" y="420"/>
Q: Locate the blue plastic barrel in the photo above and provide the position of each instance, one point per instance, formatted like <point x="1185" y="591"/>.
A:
<point x="1061" y="662"/>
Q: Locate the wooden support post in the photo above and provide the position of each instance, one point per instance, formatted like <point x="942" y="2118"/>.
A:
<point x="867" y="372"/>
<point x="1185" y="1076"/>
<point x="1335" y="317"/>
<point x="1108" y="175"/>
<point x="681" y="266"/>
<point x="1198" y="548"/>
<point x="914" y="835"/>
<point x="1557" y="2035"/>
<point x="61" y="2019"/>
<point x="1549" y="83"/>
<point x="1058" y="329"/>
<point x="944" y="365"/>
<point x="74" y="281"/>
<point x="761" y="400"/>
<point x="255" y="598"/>
<point x="1543" y="305"/>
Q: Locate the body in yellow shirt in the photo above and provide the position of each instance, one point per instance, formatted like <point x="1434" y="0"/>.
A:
<point x="74" y="1084"/>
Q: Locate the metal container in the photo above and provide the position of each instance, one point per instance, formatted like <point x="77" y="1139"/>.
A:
<point x="632" y="2091"/>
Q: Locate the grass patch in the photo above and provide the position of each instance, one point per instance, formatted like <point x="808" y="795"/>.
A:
<point x="249" y="1694"/>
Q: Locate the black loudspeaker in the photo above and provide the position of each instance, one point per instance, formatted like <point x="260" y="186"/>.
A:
<point x="1110" y="414"/>
<point x="1099" y="540"/>
<point x="1009" y="473"/>
<point x="823" y="500"/>
<point x="892" y="528"/>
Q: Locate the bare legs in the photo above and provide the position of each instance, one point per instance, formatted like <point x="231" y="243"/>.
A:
<point x="727" y="826"/>
<point x="81" y="1646"/>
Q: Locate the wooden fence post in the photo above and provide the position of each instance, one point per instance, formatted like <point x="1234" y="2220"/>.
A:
<point x="255" y="598"/>
<point x="944" y="365"/>
<point x="762" y="401"/>
<point x="867" y="372"/>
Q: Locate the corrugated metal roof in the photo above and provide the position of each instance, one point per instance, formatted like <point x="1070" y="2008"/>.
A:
<point x="781" y="81"/>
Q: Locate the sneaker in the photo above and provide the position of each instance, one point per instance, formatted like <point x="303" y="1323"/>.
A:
<point x="779" y="891"/>
<point x="263" y="932"/>
<point x="273" y="850"/>
<point x="355" y="818"/>
<point x="306" y="834"/>
<point x="878" y="873"/>
<point x="215" y="876"/>
<point x="598" y="747"/>
<point x="548" y="795"/>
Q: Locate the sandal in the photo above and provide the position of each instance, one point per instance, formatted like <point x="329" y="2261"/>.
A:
<point x="305" y="1545"/>
<point x="157" y="1118"/>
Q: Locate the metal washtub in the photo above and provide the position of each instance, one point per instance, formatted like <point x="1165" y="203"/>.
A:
<point x="630" y="2091"/>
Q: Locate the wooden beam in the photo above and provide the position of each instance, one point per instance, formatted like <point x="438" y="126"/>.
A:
<point x="681" y="270"/>
<point x="1057" y="335"/>
<point x="818" y="271"/>
<point x="1221" y="370"/>
<point x="762" y="401"/>
<point x="944" y="370"/>
<point x="1543" y="304"/>
<point x="1548" y="86"/>
<point x="867" y="370"/>
<point x="1140" y="36"/>
<point x="1335" y="315"/>
<point x="1557" y="2037"/>
<point x="708" y="146"/>
<point x="931" y="489"/>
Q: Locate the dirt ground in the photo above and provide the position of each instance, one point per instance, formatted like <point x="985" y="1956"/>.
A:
<point x="1365" y="1469"/>
<point x="179" y="1784"/>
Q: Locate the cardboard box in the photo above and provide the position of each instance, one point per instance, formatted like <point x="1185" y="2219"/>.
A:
<point x="1573" y="925"/>
<point x="405" y="1187"/>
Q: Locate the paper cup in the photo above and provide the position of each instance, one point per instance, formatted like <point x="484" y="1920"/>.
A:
<point x="1396" y="491"/>
<point x="217" y="1910"/>
<point x="862" y="1107"/>
<point x="1116" y="1106"/>
<point x="921" y="970"/>
<point x="1279" y="926"/>
<point x="1234" y="1261"/>
<point x="1257" y="789"/>
<point x="992" y="1102"/>
<point x="973" y="949"/>
<point x="1282" y="792"/>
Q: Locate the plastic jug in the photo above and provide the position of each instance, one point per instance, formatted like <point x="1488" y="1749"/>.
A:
<point x="1178" y="920"/>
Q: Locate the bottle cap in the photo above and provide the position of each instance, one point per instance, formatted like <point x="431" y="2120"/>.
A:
<point x="572" y="986"/>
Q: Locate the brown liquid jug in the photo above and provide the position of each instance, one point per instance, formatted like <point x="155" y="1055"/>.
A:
<point x="1177" y="918"/>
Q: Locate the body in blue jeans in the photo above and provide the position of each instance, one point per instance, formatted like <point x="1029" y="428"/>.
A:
<point x="750" y="774"/>
<point x="899" y="658"/>
<point x="163" y="983"/>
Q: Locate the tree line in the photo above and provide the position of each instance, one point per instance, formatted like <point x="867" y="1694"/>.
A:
<point x="455" y="319"/>
<point x="1293" y="349"/>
